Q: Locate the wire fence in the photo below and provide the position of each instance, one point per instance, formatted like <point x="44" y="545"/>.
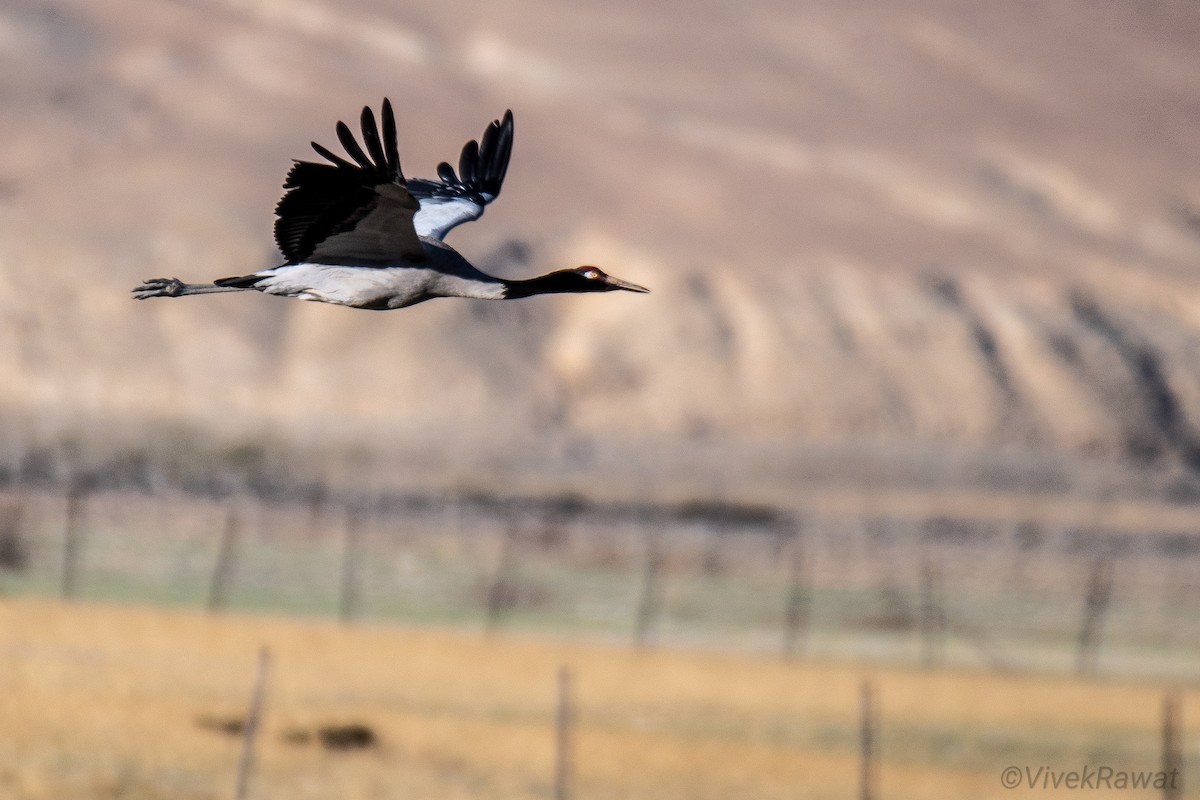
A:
<point x="930" y="591"/>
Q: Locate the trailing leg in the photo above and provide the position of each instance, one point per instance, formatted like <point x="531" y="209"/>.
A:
<point x="173" y="287"/>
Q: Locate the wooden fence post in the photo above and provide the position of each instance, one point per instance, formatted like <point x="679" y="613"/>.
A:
<point x="502" y="593"/>
<point x="866" y="743"/>
<point x="797" y="601"/>
<point x="72" y="540"/>
<point x="318" y="501"/>
<point x="250" y="729"/>
<point x="932" y="618"/>
<point x="225" y="565"/>
<point x="1097" y="597"/>
<point x="650" y="601"/>
<point x="348" y="596"/>
<point x="14" y="552"/>
<point x="1172" y="748"/>
<point x="562" y="737"/>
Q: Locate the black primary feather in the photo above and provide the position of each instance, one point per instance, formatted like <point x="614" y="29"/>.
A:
<point x="481" y="168"/>
<point x="371" y="138"/>
<point x="497" y="149"/>
<point x="346" y="137"/>
<point x="468" y="163"/>
<point x="325" y="152"/>
<point x="389" y="138"/>
<point x="323" y="200"/>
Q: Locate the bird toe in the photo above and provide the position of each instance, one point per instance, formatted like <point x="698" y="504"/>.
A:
<point x="158" y="287"/>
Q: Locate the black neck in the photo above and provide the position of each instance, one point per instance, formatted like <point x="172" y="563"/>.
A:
<point x="550" y="283"/>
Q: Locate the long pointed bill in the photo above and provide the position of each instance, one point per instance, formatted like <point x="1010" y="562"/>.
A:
<point x="617" y="283"/>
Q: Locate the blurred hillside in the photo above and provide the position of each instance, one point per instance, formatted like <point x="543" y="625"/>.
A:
<point x="923" y="243"/>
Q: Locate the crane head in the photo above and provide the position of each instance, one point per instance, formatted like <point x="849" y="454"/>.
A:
<point x="574" y="281"/>
<point x="594" y="279"/>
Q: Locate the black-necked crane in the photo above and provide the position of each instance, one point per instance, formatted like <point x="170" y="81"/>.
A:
<point x="356" y="233"/>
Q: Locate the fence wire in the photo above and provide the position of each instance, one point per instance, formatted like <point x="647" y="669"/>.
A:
<point x="1008" y="596"/>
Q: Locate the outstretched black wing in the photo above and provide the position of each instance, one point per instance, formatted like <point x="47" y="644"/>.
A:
<point x="460" y="198"/>
<point x="350" y="212"/>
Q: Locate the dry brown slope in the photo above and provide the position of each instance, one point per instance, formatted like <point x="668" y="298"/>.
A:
<point x="923" y="226"/>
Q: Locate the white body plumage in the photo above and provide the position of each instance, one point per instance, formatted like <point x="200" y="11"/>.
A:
<point x="444" y="273"/>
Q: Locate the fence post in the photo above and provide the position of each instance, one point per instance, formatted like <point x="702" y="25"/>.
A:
<point x="502" y="593"/>
<point x="348" y="597"/>
<point x="562" y="737"/>
<point x="250" y="729"/>
<point x="318" y="500"/>
<point x="72" y="539"/>
<point x="14" y="552"/>
<point x="932" y="613"/>
<point x="797" y="602"/>
<point x="226" y="562"/>
<point x="866" y="742"/>
<point x="648" y="604"/>
<point x="1172" y="748"/>
<point x="1097" y="596"/>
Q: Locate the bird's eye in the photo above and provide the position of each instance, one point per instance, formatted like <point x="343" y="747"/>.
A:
<point x="592" y="275"/>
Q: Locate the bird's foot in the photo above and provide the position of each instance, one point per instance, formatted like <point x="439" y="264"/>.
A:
<point x="160" y="287"/>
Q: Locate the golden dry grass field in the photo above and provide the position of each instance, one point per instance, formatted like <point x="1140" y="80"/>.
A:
<point x="105" y="701"/>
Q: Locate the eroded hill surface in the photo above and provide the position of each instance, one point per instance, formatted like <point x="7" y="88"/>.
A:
<point x="905" y="235"/>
